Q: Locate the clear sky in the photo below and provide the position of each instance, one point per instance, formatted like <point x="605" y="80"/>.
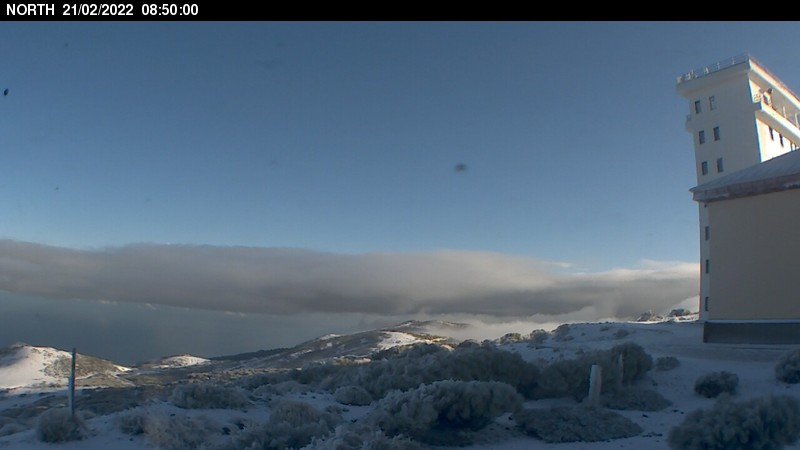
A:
<point x="555" y="145"/>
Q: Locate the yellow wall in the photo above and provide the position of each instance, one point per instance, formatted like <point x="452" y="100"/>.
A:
<point x="755" y="269"/>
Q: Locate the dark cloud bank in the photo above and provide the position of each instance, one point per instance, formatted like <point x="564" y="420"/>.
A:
<point x="284" y="281"/>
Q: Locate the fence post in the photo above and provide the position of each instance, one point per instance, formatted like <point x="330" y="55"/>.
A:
<point x="72" y="386"/>
<point x="595" y="385"/>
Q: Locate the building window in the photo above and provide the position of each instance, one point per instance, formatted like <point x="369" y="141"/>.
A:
<point x="716" y="133"/>
<point x="720" y="167"/>
<point x="697" y="106"/>
<point x="705" y="304"/>
<point x="712" y="103"/>
<point x="704" y="167"/>
<point x="781" y="137"/>
<point x="701" y="136"/>
<point x="707" y="232"/>
<point x="771" y="133"/>
<point x="708" y="266"/>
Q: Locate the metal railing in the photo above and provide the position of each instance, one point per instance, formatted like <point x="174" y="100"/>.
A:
<point x="719" y="65"/>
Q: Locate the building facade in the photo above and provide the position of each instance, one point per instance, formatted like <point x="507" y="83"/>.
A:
<point x="740" y="115"/>
<point x="754" y="215"/>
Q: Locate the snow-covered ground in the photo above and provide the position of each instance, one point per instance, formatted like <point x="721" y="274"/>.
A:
<point x="753" y="364"/>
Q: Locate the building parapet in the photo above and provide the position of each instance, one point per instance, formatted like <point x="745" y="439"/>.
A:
<point x="716" y="67"/>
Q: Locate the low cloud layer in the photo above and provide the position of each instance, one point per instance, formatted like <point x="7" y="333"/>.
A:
<point x="290" y="281"/>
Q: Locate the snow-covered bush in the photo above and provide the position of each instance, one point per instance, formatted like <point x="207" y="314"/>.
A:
<point x="358" y="436"/>
<point x="444" y="412"/>
<point x="538" y="337"/>
<point x="575" y="424"/>
<point x="759" y="423"/>
<point x="664" y="363"/>
<point x="208" y="396"/>
<point x="636" y="399"/>
<point x="635" y="361"/>
<point x="713" y="384"/>
<point x="788" y="367"/>
<point x="562" y="333"/>
<point x="132" y="421"/>
<point x="292" y="424"/>
<point x="58" y="425"/>
<point x="178" y="432"/>
<point x="425" y="364"/>
<point x="570" y="377"/>
<point x="352" y="395"/>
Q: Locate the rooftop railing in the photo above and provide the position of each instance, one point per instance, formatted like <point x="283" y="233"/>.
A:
<point x="703" y="71"/>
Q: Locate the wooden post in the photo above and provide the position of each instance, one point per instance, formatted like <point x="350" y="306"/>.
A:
<point x="72" y="386"/>
<point x="595" y="385"/>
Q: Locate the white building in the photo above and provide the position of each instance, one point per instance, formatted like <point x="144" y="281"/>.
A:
<point x="740" y="115"/>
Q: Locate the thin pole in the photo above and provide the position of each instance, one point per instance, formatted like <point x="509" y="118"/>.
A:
<point x="72" y="386"/>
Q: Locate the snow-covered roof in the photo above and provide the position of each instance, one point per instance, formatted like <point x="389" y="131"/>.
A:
<point x="777" y="174"/>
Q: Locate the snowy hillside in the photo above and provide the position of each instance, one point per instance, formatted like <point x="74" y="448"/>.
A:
<point x="384" y="387"/>
<point x="26" y="366"/>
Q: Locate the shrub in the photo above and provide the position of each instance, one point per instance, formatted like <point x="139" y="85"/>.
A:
<point x="291" y="424"/>
<point x="664" y="363"/>
<point x="361" y="437"/>
<point x="179" y="432"/>
<point x="635" y="361"/>
<point x="759" y="423"/>
<point x="132" y="421"/>
<point x="538" y="337"/>
<point x="571" y="377"/>
<point x="352" y="395"/>
<point x="713" y="384"/>
<point x="207" y="396"/>
<point x="58" y="425"/>
<point x="425" y="364"/>
<point x="562" y="333"/>
<point x="788" y="367"/>
<point x="444" y="412"/>
<point x="575" y="424"/>
<point x="636" y="399"/>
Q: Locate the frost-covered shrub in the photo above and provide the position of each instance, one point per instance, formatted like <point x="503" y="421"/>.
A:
<point x="562" y="333"/>
<point x="361" y="437"/>
<point x="575" y="424"/>
<point x="58" y="425"/>
<point x="635" y="361"/>
<point x="538" y="337"/>
<point x="444" y="412"/>
<point x="178" y="432"/>
<point x="788" y="367"/>
<point x="664" y="363"/>
<point x="352" y="395"/>
<point x="635" y="399"/>
<point x="292" y="424"/>
<point x="425" y="364"/>
<point x="208" y="396"/>
<point x="715" y="383"/>
<point x="759" y="423"/>
<point x="132" y="421"/>
<point x="570" y="377"/>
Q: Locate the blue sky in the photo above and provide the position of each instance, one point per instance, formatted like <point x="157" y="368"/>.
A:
<point x="343" y="138"/>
